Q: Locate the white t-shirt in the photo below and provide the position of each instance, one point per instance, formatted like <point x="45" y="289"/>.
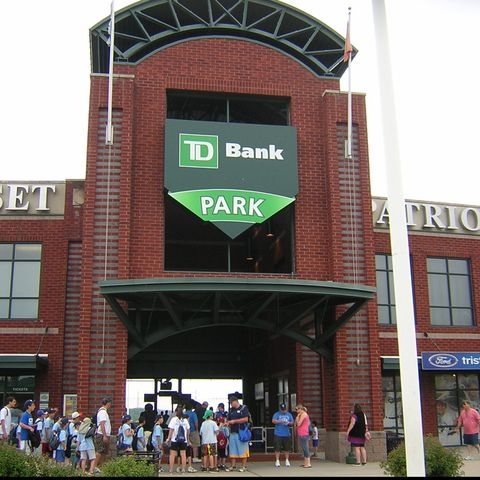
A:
<point x="6" y="415"/>
<point x="208" y="431"/>
<point x="102" y="416"/>
<point x="175" y="423"/>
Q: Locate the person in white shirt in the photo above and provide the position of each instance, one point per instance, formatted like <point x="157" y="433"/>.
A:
<point x="104" y="429"/>
<point x="208" y="432"/>
<point x="6" y="418"/>
<point x="178" y="430"/>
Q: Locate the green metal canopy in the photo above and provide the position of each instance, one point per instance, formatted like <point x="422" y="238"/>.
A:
<point x="155" y="309"/>
<point x="152" y="25"/>
<point x="16" y="364"/>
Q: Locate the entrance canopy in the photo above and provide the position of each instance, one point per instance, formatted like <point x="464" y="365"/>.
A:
<point x="155" y="309"/>
<point x="19" y="363"/>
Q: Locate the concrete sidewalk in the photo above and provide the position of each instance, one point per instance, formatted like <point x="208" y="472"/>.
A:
<point x="320" y="468"/>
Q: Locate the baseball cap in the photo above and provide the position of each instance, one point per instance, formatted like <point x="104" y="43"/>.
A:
<point x="208" y="414"/>
<point x="221" y="405"/>
<point x="283" y="406"/>
<point x="51" y="410"/>
<point x="126" y="418"/>
<point x="64" y="421"/>
<point x="40" y="413"/>
<point x="75" y="415"/>
<point x="28" y="404"/>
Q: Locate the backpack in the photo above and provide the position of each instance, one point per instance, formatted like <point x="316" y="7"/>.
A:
<point x="135" y="439"/>
<point x="12" y="436"/>
<point x="34" y="438"/>
<point x="54" y="439"/>
<point x="181" y="434"/>
<point x="310" y="429"/>
<point x="221" y="440"/>
<point x="149" y="443"/>
<point x="120" y="440"/>
<point x="91" y="431"/>
<point x="68" y="448"/>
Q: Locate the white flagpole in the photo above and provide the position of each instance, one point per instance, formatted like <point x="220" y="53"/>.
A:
<point x="109" y="132"/>
<point x="407" y="342"/>
<point x="349" y="98"/>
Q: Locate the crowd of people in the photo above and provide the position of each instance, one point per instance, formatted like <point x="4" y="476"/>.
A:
<point x="194" y="433"/>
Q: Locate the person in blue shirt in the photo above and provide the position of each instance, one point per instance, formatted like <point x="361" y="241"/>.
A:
<point x="59" y="452"/>
<point x="157" y="440"/>
<point x="126" y="433"/>
<point x="26" y="424"/>
<point x="282" y="438"/>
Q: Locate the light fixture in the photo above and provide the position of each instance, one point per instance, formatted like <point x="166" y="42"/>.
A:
<point x="269" y="233"/>
<point x="249" y="256"/>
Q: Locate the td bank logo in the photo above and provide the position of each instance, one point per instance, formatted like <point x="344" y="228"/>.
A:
<point x="198" y="151"/>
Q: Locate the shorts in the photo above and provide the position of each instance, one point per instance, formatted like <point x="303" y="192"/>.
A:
<point x="87" y="455"/>
<point x="222" y="453"/>
<point x="470" y="438"/>
<point x="237" y="448"/>
<point x="178" y="447"/>
<point x="194" y="439"/>
<point x="315" y="443"/>
<point x="100" y="446"/>
<point x="209" y="449"/>
<point x="59" y="456"/>
<point x="282" y="443"/>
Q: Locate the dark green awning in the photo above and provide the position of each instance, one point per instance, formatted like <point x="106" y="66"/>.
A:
<point x="15" y="364"/>
<point x="155" y="309"/>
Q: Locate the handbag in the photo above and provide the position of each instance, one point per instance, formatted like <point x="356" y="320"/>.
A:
<point x="368" y="435"/>
<point x="244" y="433"/>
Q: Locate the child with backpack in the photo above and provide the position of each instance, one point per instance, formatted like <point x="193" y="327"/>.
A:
<point x="177" y="441"/>
<point x="86" y="447"/>
<point x="222" y="442"/>
<point x="59" y="451"/>
<point x="125" y="435"/>
<point x="139" y="442"/>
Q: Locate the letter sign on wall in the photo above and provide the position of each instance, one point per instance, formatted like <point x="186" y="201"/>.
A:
<point x="233" y="175"/>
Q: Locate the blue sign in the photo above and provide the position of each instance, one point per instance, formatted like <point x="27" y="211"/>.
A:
<point x="450" y="361"/>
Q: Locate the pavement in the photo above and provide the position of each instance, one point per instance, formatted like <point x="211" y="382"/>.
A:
<point x="320" y="468"/>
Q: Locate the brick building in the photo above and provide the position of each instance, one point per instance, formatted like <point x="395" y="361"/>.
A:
<point x="123" y="275"/>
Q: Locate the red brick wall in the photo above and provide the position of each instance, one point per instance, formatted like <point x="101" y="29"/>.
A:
<point x="203" y="65"/>
<point x="54" y="235"/>
<point x="421" y="247"/>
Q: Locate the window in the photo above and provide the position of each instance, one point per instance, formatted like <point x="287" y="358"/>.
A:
<point x="385" y="293"/>
<point x="450" y="391"/>
<point x="192" y="244"/>
<point x="392" y="401"/>
<point x="283" y="391"/>
<point x="449" y="289"/>
<point x="19" y="280"/>
<point x="211" y="107"/>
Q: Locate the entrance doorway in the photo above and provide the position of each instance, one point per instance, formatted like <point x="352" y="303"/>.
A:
<point x="212" y="390"/>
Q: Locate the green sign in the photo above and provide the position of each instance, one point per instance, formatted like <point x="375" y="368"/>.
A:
<point x="233" y="175"/>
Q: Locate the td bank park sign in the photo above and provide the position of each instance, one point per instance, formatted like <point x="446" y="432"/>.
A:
<point x="233" y="175"/>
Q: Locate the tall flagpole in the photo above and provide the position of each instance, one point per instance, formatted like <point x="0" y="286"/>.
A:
<point x="109" y="132"/>
<point x="407" y="341"/>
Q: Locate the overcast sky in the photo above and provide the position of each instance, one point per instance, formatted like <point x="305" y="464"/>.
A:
<point x="434" y="46"/>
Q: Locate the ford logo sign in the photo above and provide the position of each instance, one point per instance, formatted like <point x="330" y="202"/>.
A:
<point x="443" y="360"/>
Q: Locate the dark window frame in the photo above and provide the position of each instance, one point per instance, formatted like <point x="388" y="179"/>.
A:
<point x="450" y="308"/>
<point x="391" y="306"/>
<point x="230" y="98"/>
<point x="13" y="261"/>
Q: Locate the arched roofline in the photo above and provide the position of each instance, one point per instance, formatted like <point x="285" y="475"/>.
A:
<point x="149" y="26"/>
